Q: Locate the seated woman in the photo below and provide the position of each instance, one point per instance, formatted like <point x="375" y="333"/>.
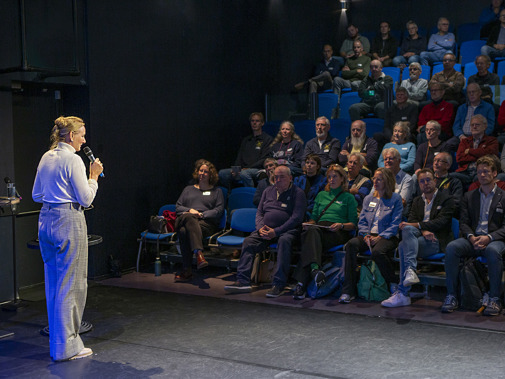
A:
<point x="400" y="141"/>
<point x="378" y="226"/>
<point x="333" y="218"/>
<point x="359" y="185"/>
<point x="199" y="210"/>
<point x="313" y="181"/>
<point x="287" y="148"/>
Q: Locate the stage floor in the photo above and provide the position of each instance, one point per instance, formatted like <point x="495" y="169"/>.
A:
<point x="146" y="326"/>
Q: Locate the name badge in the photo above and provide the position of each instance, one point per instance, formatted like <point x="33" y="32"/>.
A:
<point x="290" y="149"/>
<point x="258" y="148"/>
<point x="404" y="148"/>
<point x="284" y="205"/>
<point x="360" y="65"/>
<point x="484" y="222"/>
<point x="435" y="153"/>
<point x="439" y="207"/>
<point x="206" y="193"/>
<point x="326" y="150"/>
<point x="404" y="118"/>
<point x="373" y="204"/>
<point x="499" y="210"/>
<point x="338" y="202"/>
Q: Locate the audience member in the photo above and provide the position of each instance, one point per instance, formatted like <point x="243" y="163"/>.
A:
<point x="359" y="142"/>
<point x="270" y="164"/>
<point x="384" y="46"/>
<point x="324" y="145"/>
<point x="332" y="221"/>
<point x="437" y="110"/>
<point x="474" y="106"/>
<point x="373" y="91"/>
<point x="377" y="231"/>
<point x="347" y="49"/>
<point x="401" y="110"/>
<point x="427" y="232"/>
<point x="495" y="45"/>
<point x="490" y="17"/>
<point x="356" y="68"/>
<point x="359" y="185"/>
<point x="400" y="141"/>
<point x="280" y="214"/>
<point x="453" y="80"/>
<point x="501" y="124"/>
<point x="482" y="230"/>
<point x="499" y="178"/>
<point x="252" y="152"/>
<point x="427" y="151"/>
<point x="483" y="77"/>
<point x="415" y="86"/>
<point x="325" y="71"/>
<point x="411" y="48"/>
<point x="199" y="210"/>
<point x="404" y="183"/>
<point x="439" y="44"/>
<point x="287" y="148"/>
<point x="445" y="183"/>
<point x="472" y="148"/>
<point x="312" y="182"/>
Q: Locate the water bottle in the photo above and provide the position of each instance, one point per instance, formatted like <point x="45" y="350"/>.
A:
<point x="11" y="190"/>
<point x="157" y="267"/>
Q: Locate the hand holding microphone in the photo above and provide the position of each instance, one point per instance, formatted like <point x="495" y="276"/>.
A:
<point x="96" y="167"/>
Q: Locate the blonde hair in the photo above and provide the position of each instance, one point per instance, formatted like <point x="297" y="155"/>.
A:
<point x="64" y="126"/>
<point x="294" y="136"/>
<point x="389" y="182"/>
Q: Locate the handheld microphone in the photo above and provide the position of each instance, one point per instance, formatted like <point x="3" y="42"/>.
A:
<point x="90" y="156"/>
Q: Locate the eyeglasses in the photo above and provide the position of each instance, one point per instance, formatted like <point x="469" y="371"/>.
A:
<point x="440" y="161"/>
<point x="449" y="60"/>
<point x="413" y="69"/>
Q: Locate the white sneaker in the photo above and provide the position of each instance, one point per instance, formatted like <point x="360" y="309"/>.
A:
<point x="410" y="278"/>
<point x="85" y="352"/>
<point x="398" y="299"/>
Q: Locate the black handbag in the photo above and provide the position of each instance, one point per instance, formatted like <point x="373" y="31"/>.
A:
<point x="158" y="225"/>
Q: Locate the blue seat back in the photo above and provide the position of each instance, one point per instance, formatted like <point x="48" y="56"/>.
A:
<point x="468" y="32"/>
<point x="340" y="128"/>
<point x="306" y="129"/>
<point x="426" y="72"/>
<point x="346" y="100"/>
<point x="500" y="70"/>
<point x="394" y="72"/>
<point x="238" y="200"/>
<point x="170" y="207"/>
<point x="373" y="125"/>
<point x="272" y="127"/>
<point x="455" y="228"/>
<point x="326" y="103"/>
<point x="470" y="49"/>
<point x="244" y="220"/>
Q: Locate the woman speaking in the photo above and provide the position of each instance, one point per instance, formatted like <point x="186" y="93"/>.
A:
<point x="61" y="185"/>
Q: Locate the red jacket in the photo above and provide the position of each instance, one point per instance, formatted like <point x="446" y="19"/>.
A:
<point x="443" y="113"/>
<point x="488" y="145"/>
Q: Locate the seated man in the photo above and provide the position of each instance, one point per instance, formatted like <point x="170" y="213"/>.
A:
<point x="324" y="145"/>
<point x="427" y="151"/>
<point x="439" y="44"/>
<point x="347" y="48"/>
<point x="373" y="91"/>
<point x="427" y="232"/>
<point x="359" y="185"/>
<point x="278" y="220"/>
<point x="482" y="230"/>
<point x="384" y="46"/>
<point x="411" y="48"/>
<point x="415" y="86"/>
<point x="401" y="110"/>
<point x="453" y="80"/>
<point x="356" y="68"/>
<point x="474" y="106"/>
<point x="251" y="154"/>
<point x="472" y="148"/>
<point x="437" y="110"/>
<point x="404" y="183"/>
<point x="484" y="78"/>
<point x="324" y="73"/>
<point x="495" y="45"/>
<point x="445" y="183"/>
<point x="359" y="142"/>
<point x="270" y="164"/>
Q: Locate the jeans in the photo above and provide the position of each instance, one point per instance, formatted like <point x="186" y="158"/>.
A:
<point x="255" y="244"/>
<point x="247" y="176"/>
<point x="491" y="52"/>
<point x="360" y="110"/>
<point x="339" y="83"/>
<point x="398" y="60"/>
<point x="412" y="246"/>
<point x="428" y="57"/>
<point x="463" y="248"/>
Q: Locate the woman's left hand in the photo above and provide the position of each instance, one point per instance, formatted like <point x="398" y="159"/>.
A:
<point x="336" y="226"/>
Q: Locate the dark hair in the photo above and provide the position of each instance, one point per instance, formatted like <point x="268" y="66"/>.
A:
<point x="213" y="176"/>
<point x="343" y="174"/>
<point x="490" y="160"/>
<point x="316" y="158"/>
<point x="425" y="171"/>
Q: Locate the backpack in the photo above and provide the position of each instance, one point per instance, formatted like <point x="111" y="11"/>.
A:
<point x="334" y="280"/>
<point x="473" y="284"/>
<point x="371" y="285"/>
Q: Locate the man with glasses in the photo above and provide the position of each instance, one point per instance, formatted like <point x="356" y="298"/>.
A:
<point x="373" y="91"/>
<point x="495" y="45"/>
<point x="438" y="110"/>
<point x="427" y="232"/>
<point x="452" y="80"/>
<point x="440" y="43"/>
<point x="427" y="151"/>
<point x="404" y="183"/>
<point x="411" y="47"/>
<point x="415" y="86"/>
<point x="474" y="106"/>
<point x="484" y="78"/>
<point x="441" y="165"/>
<point x="482" y="230"/>
<point x="323" y="145"/>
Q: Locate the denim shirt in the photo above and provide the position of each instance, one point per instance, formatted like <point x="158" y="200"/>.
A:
<point x="391" y="215"/>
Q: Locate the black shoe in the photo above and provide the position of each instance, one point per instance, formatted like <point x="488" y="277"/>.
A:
<point x="299" y="292"/>
<point x="450" y="304"/>
<point x="493" y="308"/>
<point x="318" y="276"/>
<point x="275" y="291"/>
<point x="237" y="287"/>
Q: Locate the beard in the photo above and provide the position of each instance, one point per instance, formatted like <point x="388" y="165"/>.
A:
<point x="358" y="141"/>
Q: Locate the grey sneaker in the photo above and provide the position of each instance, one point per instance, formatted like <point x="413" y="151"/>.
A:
<point x="493" y="307"/>
<point x="345" y="298"/>
<point x="238" y="287"/>
<point x="410" y="278"/>
<point x="299" y="292"/>
<point x="275" y="291"/>
<point x="450" y="304"/>
<point x="398" y="299"/>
